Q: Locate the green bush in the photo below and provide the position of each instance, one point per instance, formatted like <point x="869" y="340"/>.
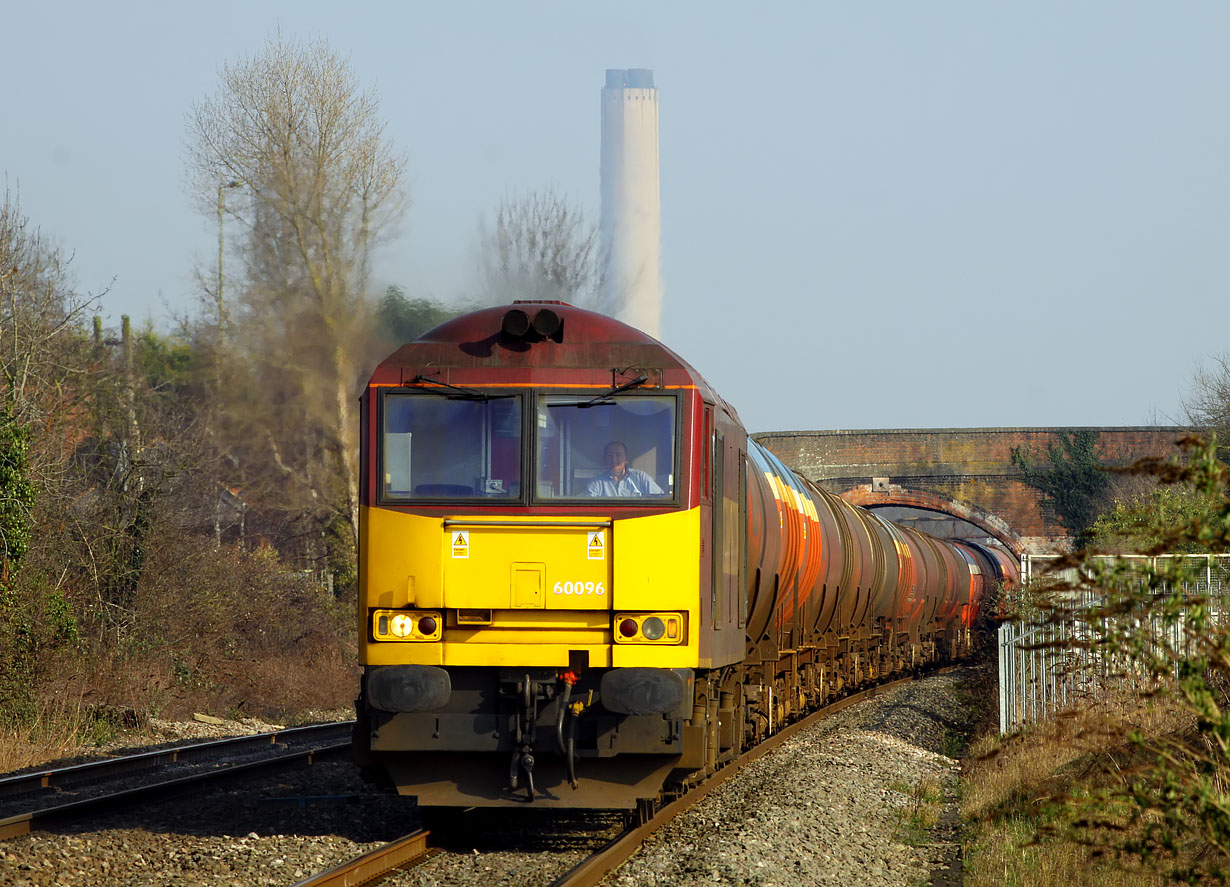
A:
<point x="1153" y="629"/>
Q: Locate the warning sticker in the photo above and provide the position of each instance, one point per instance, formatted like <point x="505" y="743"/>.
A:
<point x="596" y="547"/>
<point x="461" y="543"/>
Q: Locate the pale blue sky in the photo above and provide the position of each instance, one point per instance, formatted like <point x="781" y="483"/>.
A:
<point x="874" y="214"/>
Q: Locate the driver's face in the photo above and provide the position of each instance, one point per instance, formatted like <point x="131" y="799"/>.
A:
<point x="616" y="457"/>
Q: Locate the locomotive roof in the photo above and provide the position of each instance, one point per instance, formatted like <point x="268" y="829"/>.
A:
<point x="584" y="340"/>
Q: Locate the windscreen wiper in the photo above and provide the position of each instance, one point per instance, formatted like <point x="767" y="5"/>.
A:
<point x="463" y="393"/>
<point x="639" y="380"/>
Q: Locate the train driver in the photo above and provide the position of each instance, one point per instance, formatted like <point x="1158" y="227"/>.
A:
<point x="619" y="480"/>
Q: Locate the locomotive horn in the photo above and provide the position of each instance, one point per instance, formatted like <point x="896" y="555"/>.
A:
<point x="546" y="323"/>
<point x="516" y="323"/>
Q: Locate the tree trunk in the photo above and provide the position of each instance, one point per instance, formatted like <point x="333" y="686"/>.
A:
<point x="347" y="443"/>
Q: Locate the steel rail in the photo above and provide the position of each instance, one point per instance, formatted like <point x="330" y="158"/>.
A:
<point x="106" y="768"/>
<point x="24" y="823"/>
<point x="594" y="868"/>
<point x="405" y="851"/>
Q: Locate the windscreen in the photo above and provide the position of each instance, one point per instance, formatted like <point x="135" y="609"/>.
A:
<point x="440" y="447"/>
<point x="614" y="448"/>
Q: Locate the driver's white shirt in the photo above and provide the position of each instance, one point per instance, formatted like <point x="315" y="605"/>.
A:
<point x="634" y="483"/>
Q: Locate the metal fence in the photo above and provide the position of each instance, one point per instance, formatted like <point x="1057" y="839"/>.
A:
<point x="1045" y="664"/>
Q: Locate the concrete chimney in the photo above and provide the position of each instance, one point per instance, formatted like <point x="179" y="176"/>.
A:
<point x="631" y="227"/>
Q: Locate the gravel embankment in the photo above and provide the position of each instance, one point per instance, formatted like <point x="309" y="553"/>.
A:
<point x="825" y="808"/>
<point x="828" y="807"/>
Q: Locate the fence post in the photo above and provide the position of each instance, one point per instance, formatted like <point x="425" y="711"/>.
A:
<point x="1005" y="689"/>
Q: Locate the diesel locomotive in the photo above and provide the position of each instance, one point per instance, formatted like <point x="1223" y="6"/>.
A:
<point x="582" y="583"/>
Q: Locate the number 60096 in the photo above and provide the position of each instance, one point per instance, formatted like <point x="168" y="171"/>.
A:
<point x="579" y="588"/>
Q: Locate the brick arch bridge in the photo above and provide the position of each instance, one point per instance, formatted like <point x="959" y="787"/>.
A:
<point x="895" y="494"/>
<point x="962" y="472"/>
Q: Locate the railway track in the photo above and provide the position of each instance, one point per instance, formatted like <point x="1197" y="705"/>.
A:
<point x="606" y="860"/>
<point x="408" y="850"/>
<point x="416" y="848"/>
<point x="808" y="813"/>
<point x="41" y="798"/>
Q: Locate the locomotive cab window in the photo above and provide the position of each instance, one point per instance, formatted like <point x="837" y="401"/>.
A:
<point x="447" y="447"/>
<point x="616" y="448"/>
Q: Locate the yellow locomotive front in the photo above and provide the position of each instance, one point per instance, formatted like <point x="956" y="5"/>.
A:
<point x="530" y="560"/>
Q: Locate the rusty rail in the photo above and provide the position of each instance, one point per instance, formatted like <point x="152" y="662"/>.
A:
<point x="405" y="851"/>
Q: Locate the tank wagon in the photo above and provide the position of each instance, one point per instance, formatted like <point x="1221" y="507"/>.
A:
<point x="582" y="582"/>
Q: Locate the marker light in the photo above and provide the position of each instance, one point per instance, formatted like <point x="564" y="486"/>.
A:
<point x="628" y="628"/>
<point x="427" y="625"/>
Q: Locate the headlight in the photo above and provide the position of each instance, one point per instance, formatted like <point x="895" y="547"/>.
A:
<point x="653" y="628"/>
<point x="406" y="625"/>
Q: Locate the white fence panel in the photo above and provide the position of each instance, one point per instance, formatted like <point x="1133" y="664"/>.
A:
<point x="1044" y="669"/>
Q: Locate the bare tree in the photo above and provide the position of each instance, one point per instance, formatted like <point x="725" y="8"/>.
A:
<point x="48" y="370"/>
<point x="1208" y="406"/>
<point x="313" y="185"/>
<point x="40" y="317"/>
<point x="540" y="247"/>
<point x="83" y="408"/>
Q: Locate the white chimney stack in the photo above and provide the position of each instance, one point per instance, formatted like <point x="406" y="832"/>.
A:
<point x="631" y="203"/>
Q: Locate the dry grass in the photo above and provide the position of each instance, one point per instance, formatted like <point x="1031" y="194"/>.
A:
<point x="922" y="812"/>
<point x="247" y="640"/>
<point x="275" y="687"/>
<point x="55" y="732"/>
<point x="113" y="706"/>
<point x="1005" y="854"/>
<point x="1021" y="794"/>
<point x="283" y="685"/>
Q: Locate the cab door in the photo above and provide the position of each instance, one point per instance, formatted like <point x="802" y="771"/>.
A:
<point x="729" y="528"/>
